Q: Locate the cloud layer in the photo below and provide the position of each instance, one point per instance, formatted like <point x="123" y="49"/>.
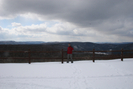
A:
<point x="78" y="20"/>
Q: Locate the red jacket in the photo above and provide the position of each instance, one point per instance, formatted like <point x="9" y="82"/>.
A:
<point x="69" y="50"/>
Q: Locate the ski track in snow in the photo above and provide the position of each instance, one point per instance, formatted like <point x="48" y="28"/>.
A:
<point x="79" y="75"/>
<point x="78" y="80"/>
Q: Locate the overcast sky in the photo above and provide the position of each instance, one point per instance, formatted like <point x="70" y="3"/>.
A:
<point x="66" y="20"/>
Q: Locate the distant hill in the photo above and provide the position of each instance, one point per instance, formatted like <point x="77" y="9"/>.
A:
<point x="14" y="42"/>
<point x="79" y="46"/>
<point x="86" y="46"/>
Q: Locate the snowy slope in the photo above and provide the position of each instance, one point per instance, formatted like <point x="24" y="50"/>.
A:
<point x="112" y="74"/>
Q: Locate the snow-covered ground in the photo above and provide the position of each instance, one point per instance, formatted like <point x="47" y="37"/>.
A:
<point x="103" y="74"/>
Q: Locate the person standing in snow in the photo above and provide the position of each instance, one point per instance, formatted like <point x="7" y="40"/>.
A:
<point x="69" y="53"/>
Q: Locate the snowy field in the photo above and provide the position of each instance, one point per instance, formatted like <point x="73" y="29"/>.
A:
<point x="104" y="74"/>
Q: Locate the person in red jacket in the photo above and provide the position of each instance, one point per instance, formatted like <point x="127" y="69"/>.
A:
<point x="69" y="53"/>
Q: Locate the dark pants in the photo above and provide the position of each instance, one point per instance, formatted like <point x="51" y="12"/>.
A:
<point x="69" y="57"/>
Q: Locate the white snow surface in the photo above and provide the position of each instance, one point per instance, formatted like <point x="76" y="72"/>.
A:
<point x="103" y="74"/>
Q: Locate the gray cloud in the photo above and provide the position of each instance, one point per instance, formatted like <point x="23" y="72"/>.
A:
<point x="0" y="29"/>
<point x="110" y="17"/>
<point x="76" y="11"/>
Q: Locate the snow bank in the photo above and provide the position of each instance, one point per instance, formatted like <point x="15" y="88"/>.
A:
<point x="111" y="74"/>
